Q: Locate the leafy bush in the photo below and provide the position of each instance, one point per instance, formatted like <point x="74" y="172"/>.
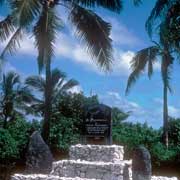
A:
<point x="174" y="131"/>
<point x="161" y="154"/>
<point x="131" y="135"/>
<point x="19" y="130"/>
<point x="63" y="132"/>
<point x="8" y="146"/>
<point x="14" y="139"/>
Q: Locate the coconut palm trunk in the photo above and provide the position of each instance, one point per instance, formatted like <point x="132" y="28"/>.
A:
<point x="48" y="103"/>
<point x="48" y="89"/>
<point x="167" y="61"/>
<point x="165" y="116"/>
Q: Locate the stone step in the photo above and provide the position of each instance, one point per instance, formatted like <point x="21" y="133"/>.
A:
<point x="43" y="177"/>
<point x="163" y="178"/>
<point x="103" y="153"/>
<point x="90" y="170"/>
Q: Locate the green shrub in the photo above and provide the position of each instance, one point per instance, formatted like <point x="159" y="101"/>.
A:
<point x="19" y="130"/>
<point x="14" y="139"/>
<point x="174" y="131"/>
<point x="8" y="145"/>
<point x="63" y="132"/>
<point x="131" y="135"/>
<point x="161" y="154"/>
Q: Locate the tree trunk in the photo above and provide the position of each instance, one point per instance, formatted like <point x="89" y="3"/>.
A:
<point x="48" y="88"/>
<point x="165" y="116"/>
<point x="5" y="122"/>
<point x="48" y="105"/>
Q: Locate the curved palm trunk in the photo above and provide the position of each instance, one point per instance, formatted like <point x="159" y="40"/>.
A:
<point x="165" y="68"/>
<point x="165" y="116"/>
<point x="48" y="105"/>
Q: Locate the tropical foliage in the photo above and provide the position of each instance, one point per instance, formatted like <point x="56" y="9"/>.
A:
<point x="15" y="98"/>
<point x="146" y="58"/>
<point x="165" y="18"/>
<point x="58" y="84"/>
<point x="151" y="139"/>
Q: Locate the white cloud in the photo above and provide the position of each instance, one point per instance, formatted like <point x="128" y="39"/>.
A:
<point x="122" y="63"/>
<point x="159" y="101"/>
<point x="26" y="45"/>
<point x="137" y="113"/>
<point x="174" y="111"/>
<point x="121" y="35"/>
<point x="76" y="89"/>
<point x="157" y="66"/>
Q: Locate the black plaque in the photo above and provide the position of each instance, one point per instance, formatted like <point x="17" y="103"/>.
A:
<point x="97" y="121"/>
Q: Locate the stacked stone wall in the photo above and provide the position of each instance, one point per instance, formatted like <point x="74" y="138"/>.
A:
<point x="90" y="162"/>
<point x="94" y="153"/>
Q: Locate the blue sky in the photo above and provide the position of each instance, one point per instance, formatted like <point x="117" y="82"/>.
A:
<point x="129" y="35"/>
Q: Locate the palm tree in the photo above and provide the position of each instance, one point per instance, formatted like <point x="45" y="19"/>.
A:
<point x="15" y="99"/>
<point x="58" y="84"/>
<point x="165" y="16"/>
<point x="146" y="58"/>
<point x="167" y="12"/>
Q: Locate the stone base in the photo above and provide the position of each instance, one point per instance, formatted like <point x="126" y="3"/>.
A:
<point x="103" y="153"/>
<point x="43" y="177"/>
<point x="90" y="162"/>
<point x="91" y="170"/>
<point x="163" y="178"/>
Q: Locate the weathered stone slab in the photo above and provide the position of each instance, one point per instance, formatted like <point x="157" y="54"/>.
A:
<point x="39" y="158"/>
<point x="104" y="153"/>
<point x="91" y="170"/>
<point x="141" y="164"/>
<point x="43" y="177"/>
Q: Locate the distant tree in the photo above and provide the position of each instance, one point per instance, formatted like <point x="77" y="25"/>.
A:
<point x="15" y="98"/>
<point x="174" y="131"/>
<point x="146" y="58"/>
<point x="165" y="12"/>
<point x="118" y="115"/>
<point x="58" y="84"/>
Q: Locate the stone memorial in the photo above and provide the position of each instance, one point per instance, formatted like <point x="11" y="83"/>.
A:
<point x="39" y="158"/>
<point x="96" y="162"/>
<point x="97" y="122"/>
<point x="141" y="164"/>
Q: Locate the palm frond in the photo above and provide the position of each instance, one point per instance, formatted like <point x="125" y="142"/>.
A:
<point x="113" y="5"/>
<point x="36" y="82"/>
<point x="9" y="81"/>
<point x="13" y="43"/>
<point x="94" y="32"/>
<point x="137" y="2"/>
<point x="57" y="76"/>
<point x="156" y="12"/>
<point x="68" y="85"/>
<point x="24" y="94"/>
<point x="25" y="11"/>
<point x="2" y="1"/>
<point x="144" y="57"/>
<point x="6" y="28"/>
<point x="45" y="35"/>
